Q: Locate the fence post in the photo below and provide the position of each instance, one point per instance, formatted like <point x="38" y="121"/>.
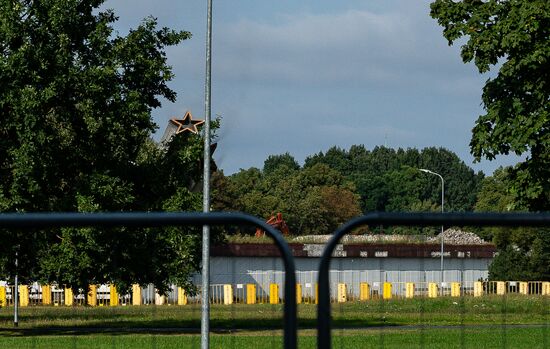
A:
<point x="23" y="296"/>
<point x="501" y="288"/>
<point x="46" y="294"/>
<point x="342" y="296"/>
<point x="273" y="294"/>
<point x="455" y="289"/>
<point x="317" y="293"/>
<point x="227" y="294"/>
<point x="250" y="294"/>
<point x="409" y="290"/>
<point x="3" y="297"/>
<point x="432" y="290"/>
<point x="69" y="299"/>
<point x="524" y="288"/>
<point x="113" y="296"/>
<point x="298" y="293"/>
<point x="91" y="298"/>
<point x="478" y="289"/>
<point x="364" y="291"/>
<point x="136" y="294"/>
<point x="387" y="291"/>
<point x="182" y="296"/>
<point x="546" y="288"/>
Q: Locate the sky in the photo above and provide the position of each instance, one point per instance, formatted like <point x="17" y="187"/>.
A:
<point x="303" y="76"/>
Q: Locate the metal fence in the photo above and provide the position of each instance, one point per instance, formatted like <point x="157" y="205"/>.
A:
<point x="141" y="219"/>
<point x="324" y="340"/>
<point x="328" y="287"/>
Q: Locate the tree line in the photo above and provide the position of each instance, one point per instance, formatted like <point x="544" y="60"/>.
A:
<point x="338" y="184"/>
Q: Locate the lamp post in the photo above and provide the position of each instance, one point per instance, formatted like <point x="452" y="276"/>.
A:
<point x="442" y="210"/>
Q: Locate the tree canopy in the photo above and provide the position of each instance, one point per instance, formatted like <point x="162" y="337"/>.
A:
<point x="511" y="36"/>
<point x="339" y="184"/>
<point x="75" y="110"/>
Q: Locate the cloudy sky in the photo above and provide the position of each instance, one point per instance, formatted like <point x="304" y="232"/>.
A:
<point x="302" y="76"/>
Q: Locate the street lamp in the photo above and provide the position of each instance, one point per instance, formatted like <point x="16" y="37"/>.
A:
<point x="442" y="210"/>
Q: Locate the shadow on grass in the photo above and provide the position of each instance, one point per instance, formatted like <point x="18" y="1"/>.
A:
<point x="179" y="327"/>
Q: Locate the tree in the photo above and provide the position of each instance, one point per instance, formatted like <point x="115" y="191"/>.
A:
<point x="75" y="111"/>
<point x="511" y="36"/>
<point x="275" y="161"/>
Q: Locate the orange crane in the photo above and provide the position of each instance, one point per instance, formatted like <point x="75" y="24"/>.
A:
<point x="276" y="222"/>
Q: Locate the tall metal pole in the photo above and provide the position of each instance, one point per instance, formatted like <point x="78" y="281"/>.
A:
<point x="205" y="301"/>
<point x="16" y="292"/>
<point x="442" y="210"/>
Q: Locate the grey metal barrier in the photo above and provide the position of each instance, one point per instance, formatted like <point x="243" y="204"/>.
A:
<point x="407" y="219"/>
<point x="158" y="219"/>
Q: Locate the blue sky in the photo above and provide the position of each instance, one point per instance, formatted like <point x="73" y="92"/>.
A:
<point x="302" y="76"/>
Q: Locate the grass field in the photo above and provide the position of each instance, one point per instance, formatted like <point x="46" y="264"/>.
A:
<point x="489" y="322"/>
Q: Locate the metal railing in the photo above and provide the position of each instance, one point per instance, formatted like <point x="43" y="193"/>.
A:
<point x="158" y="219"/>
<point x="406" y="219"/>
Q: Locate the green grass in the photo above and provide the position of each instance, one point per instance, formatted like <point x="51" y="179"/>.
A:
<point x="371" y="324"/>
<point x="528" y="338"/>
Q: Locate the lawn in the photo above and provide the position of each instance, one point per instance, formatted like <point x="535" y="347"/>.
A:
<point x="488" y="322"/>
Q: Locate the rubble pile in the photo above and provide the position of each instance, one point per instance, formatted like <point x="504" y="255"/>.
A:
<point x="458" y="237"/>
<point x="451" y="236"/>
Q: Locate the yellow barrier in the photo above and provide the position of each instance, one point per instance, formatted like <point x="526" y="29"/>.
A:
<point x="478" y="289"/>
<point x="298" y="293"/>
<point x="250" y="294"/>
<point x="273" y="294"/>
<point x="501" y="287"/>
<point x="136" y="294"/>
<point x="227" y="294"/>
<point x="113" y="296"/>
<point x="432" y="290"/>
<point x="23" y="296"/>
<point x="91" y="298"/>
<point x="3" y="298"/>
<point x="546" y="288"/>
<point x="342" y="296"/>
<point x="69" y="297"/>
<point x="364" y="291"/>
<point x="182" y="296"/>
<point x="387" y="291"/>
<point x="316" y="293"/>
<point x="524" y="288"/>
<point x="455" y="289"/>
<point x="46" y="295"/>
<point x="409" y="290"/>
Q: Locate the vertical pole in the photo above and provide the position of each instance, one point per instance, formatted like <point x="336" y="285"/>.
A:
<point x="16" y="293"/>
<point x="205" y="304"/>
<point x="442" y="210"/>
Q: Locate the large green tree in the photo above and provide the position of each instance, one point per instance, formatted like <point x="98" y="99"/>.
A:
<point x="75" y="126"/>
<point x="512" y="37"/>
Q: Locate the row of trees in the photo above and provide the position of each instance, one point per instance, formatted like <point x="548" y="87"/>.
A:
<point x="339" y="184"/>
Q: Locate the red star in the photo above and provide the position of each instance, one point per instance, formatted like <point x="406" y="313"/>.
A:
<point x="187" y="123"/>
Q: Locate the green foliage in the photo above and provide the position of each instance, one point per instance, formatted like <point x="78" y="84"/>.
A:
<point x="389" y="180"/>
<point x="75" y="110"/>
<point x="313" y="200"/>
<point x="511" y="36"/>
<point x="273" y="162"/>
